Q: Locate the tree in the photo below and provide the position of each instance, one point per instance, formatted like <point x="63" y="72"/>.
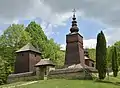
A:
<point x="16" y="36"/>
<point x="108" y="60"/>
<point x="117" y="45"/>
<point x="13" y="38"/>
<point x="114" y="62"/>
<point x="47" y="46"/>
<point x="97" y="51"/>
<point x="92" y="53"/>
<point x="38" y="38"/>
<point x="4" y="71"/>
<point x="101" y="55"/>
<point x="109" y="56"/>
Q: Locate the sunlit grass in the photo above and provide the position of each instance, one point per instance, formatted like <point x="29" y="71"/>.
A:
<point x="112" y="82"/>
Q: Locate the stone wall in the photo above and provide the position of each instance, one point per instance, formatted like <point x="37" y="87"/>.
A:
<point x="21" y="77"/>
<point x="77" y="75"/>
<point x="71" y="73"/>
<point x="65" y="73"/>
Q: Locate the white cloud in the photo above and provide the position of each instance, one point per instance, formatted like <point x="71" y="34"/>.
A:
<point x="56" y="12"/>
<point x="15" y="10"/>
<point x="103" y="10"/>
<point x="43" y="25"/>
<point x="90" y="43"/>
<point x="15" y="21"/>
<point x="47" y="28"/>
<point x="1" y="32"/>
<point x="63" y="47"/>
<point x="106" y="12"/>
<point x="112" y="35"/>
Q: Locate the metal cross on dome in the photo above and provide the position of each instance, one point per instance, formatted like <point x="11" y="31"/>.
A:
<point x="74" y="11"/>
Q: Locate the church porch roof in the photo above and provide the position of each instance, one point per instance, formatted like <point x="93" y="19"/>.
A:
<point x="44" y="62"/>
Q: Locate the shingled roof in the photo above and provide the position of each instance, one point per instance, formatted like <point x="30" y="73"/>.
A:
<point x="44" y="62"/>
<point x="28" y="47"/>
<point x="86" y="58"/>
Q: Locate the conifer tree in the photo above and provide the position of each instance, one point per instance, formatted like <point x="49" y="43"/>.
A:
<point x="101" y="55"/>
<point x="114" y="61"/>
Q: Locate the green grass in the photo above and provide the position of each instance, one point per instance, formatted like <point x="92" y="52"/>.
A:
<point x="61" y="83"/>
<point x="12" y="84"/>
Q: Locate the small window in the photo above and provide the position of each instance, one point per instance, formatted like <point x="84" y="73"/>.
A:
<point x="22" y="54"/>
<point x="92" y="65"/>
<point x="35" y="55"/>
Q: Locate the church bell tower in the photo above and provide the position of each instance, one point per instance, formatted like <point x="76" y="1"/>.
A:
<point x="74" y="45"/>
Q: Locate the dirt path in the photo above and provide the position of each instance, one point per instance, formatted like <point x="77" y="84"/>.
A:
<point x="20" y="84"/>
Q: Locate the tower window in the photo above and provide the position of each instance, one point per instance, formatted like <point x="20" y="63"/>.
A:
<point x="92" y="65"/>
<point x="22" y="54"/>
<point x="35" y="55"/>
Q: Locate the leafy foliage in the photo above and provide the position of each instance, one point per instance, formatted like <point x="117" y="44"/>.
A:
<point x="48" y="47"/>
<point x="16" y="36"/>
<point x="117" y="45"/>
<point x="109" y="53"/>
<point x="4" y="71"/>
<point x="13" y="38"/>
<point x="92" y="53"/>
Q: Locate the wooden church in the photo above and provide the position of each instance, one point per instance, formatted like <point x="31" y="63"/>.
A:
<point x="88" y="61"/>
<point x="26" y="58"/>
<point x="75" y="53"/>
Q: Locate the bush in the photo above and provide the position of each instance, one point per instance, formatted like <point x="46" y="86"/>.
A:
<point x="4" y="71"/>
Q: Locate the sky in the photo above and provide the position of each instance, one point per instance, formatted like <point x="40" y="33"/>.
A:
<point x="55" y="18"/>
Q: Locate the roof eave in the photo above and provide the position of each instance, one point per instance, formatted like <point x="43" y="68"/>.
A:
<point x="27" y="51"/>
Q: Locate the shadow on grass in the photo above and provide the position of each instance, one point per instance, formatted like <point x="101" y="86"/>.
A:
<point x="108" y="82"/>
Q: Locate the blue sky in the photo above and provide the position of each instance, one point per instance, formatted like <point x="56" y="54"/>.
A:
<point x="55" y="18"/>
<point x="87" y="28"/>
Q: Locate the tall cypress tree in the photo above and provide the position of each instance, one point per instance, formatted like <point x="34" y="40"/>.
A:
<point x="97" y="49"/>
<point x="101" y="55"/>
<point x="114" y="61"/>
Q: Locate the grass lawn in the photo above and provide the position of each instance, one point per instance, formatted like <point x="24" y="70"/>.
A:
<point x="62" y="83"/>
<point x="12" y="84"/>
